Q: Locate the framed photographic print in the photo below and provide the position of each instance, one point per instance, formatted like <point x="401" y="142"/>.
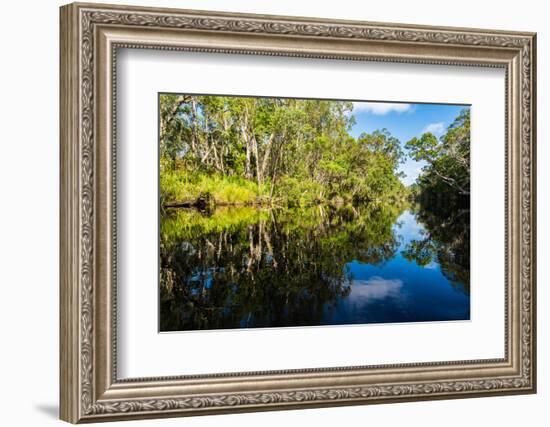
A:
<point x="265" y="212"/>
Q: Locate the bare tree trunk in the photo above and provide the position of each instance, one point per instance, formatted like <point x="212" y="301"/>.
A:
<point x="217" y="160"/>
<point x="257" y="159"/>
<point x="267" y="153"/>
<point x="276" y="162"/>
<point x="195" y="138"/>
<point x="225" y="141"/>
<point x="206" y="142"/>
<point x="246" y="139"/>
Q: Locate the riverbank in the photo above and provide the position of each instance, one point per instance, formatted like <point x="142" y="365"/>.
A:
<point x="181" y="189"/>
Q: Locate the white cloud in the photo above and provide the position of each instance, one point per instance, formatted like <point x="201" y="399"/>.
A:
<point x="435" y="128"/>
<point x="380" y="108"/>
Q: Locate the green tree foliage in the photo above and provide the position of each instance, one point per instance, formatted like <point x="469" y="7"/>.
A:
<point x="448" y="159"/>
<point x="281" y="151"/>
<point x="443" y="191"/>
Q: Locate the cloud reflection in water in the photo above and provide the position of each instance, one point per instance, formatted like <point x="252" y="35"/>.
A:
<point x="376" y="288"/>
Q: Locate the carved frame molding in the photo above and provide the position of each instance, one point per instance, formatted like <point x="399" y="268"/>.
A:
<point x="90" y="37"/>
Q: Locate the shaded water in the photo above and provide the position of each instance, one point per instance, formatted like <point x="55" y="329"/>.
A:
<point x="246" y="267"/>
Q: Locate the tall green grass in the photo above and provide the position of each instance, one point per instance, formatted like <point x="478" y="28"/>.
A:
<point x="183" y="186"/>
<point x="177" y="186"/>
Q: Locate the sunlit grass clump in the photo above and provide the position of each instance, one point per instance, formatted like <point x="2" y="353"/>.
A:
<point x="180" y="186"/>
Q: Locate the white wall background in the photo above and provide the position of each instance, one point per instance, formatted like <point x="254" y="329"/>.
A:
<point x="29" y="170"/>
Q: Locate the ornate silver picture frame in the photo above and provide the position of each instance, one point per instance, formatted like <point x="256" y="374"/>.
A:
<point x="90" y="36"/>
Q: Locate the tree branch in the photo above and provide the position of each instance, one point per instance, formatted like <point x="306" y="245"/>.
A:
<point x="180" y="100"/>
<point x="451" y="182"/>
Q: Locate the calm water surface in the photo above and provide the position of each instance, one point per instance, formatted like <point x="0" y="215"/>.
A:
<point x="246" y="267"/>
<point x="400" y="290"/>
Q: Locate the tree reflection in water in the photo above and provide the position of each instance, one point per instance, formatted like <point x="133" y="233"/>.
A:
<point x="244" y="267"/>
<point x="447" y="238"/>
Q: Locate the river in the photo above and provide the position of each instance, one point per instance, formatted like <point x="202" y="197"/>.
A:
<point x="244" y="267"/>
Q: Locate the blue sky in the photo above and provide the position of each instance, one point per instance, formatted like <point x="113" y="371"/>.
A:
<point x="404" y="121"/>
